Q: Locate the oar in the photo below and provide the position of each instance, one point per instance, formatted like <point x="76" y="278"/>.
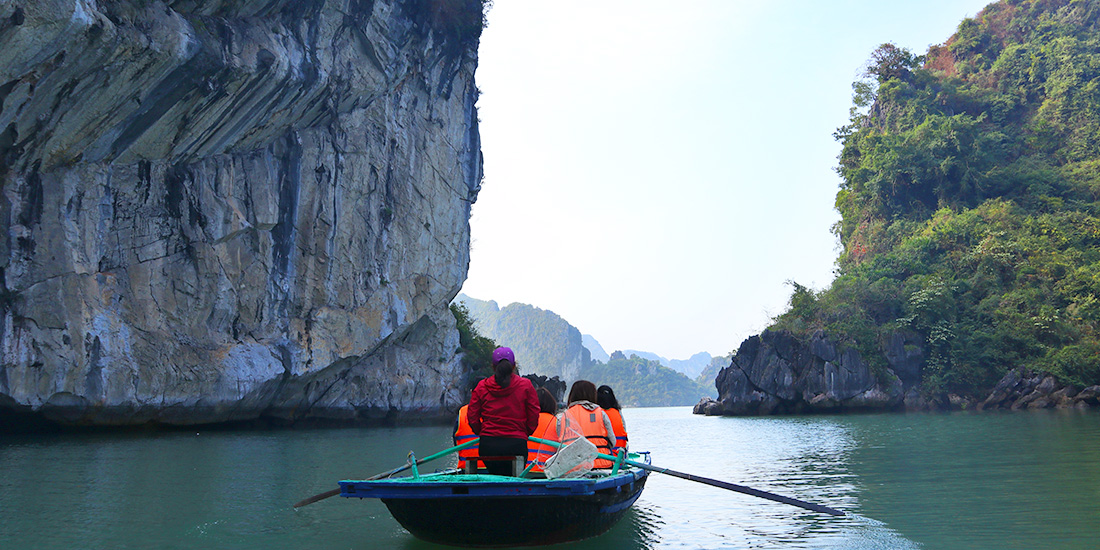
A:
<point x="715" y="483"/>
<point x="445" y="452"/>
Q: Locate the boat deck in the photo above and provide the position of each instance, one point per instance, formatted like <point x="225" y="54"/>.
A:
<point x="450" y="484"/>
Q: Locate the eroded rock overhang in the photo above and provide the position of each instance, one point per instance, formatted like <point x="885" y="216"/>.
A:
<point x="222" y="211"/>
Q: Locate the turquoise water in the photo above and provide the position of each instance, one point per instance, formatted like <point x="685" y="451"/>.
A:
<point x="1012" y="480"/>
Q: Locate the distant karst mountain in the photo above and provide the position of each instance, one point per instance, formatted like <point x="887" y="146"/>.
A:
<point x="647" y="355"/>
<point x="594" y="347"/>
<point x="691" y="366"/>
<point x="641" y="382"/>
<point x="544" y="343"/>
<point x="713" y="368"/>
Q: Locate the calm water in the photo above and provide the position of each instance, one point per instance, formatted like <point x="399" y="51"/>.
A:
<point x="1017" y="480"/>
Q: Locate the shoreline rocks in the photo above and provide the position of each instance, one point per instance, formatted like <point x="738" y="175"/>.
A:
<point x="775" y="373"/>
<point x="1024" y="389"/>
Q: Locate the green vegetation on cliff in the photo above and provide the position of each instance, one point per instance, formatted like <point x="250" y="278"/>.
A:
<point x="712" y="369"/>
<point x="970" y="201"/>
<point x="477" y="349"/>
<point x="544" y="343"/>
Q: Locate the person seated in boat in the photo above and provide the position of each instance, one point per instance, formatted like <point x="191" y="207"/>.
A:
<point x="537" y="453"/>
<point x="605" y="398"/>
<point x="504" y="410"/>
<point x="584" y="417"/>
<point x="463" y="433"/>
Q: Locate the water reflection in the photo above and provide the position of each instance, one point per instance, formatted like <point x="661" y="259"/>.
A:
<point x="1028" y="480"/>
<point x="803" y="458"/>
<point x="645" y="524"/>
<point x="1012" y="480"/>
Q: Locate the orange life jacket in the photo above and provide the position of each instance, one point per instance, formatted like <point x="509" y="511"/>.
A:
<point x="591" y="424"/>
<point x="463" y="434"/>
<point x="620" y="428"/>
<point x="537" y="453"/>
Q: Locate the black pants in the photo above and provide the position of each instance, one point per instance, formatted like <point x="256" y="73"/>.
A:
<point x="501" y="446"/>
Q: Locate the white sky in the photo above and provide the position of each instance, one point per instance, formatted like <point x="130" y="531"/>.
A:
<point x="656" y="171"/>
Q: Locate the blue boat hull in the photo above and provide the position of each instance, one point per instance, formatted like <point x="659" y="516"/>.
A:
<point x="488" y="511"/>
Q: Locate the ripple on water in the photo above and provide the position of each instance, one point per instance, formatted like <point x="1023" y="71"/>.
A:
<point x="1011" y="481"/>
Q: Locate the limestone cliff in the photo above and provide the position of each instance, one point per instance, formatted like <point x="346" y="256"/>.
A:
<point x="221" y="210"/>
<point x="774" y="373"/>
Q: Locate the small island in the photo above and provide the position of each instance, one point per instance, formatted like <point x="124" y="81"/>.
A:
<point x="970" y="234"/>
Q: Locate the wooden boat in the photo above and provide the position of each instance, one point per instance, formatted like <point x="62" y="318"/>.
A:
<point x="472" y="509"/>
<point x="460" y="509"/>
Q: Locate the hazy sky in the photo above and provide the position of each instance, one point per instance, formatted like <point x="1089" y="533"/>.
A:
<point x="656" y="171"/>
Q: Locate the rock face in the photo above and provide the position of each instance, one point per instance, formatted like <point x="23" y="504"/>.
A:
<point x="554" y="385"/>
<point x="1024" y="389"/>
<point x="222" y="210"/>
<point x="775" y="373"/>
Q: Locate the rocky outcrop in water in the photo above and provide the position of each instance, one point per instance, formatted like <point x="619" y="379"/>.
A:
<point x="553" y="384"/>
<point x="1024" y="389"/>
<point x="221" y="210"/>
<point x="775" y="373"/>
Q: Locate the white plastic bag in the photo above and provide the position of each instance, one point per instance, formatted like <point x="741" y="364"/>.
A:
<point x="572" y="460"/>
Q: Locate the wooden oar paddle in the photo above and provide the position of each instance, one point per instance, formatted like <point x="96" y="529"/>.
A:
<point x="739" y="489"/>
<point x="334" y="492"/>
<point x="715" y="483"/>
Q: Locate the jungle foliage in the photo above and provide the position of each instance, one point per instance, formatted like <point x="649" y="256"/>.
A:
<point x="970" y="201"/>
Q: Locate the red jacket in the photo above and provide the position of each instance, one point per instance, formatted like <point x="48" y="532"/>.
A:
<point x="512" y="411"/>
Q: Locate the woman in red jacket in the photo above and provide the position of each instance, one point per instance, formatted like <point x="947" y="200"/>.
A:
<point x="504" y="410"/>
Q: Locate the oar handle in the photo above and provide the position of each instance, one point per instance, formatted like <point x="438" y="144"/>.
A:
<point x="445" y="452"/>
<point x="713" y="482"/>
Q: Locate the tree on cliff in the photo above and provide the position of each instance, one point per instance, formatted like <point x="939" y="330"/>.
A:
<point x="477" y="349"/>
<point x="970" y="201"/>
<point x="889" y="62"/>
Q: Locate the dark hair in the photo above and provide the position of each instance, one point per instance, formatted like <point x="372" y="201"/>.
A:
<point x="547" y="403"/>
<point x="502" y="371"/>
<point x="582" y="390"/>
<point x="605" y="398"/>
